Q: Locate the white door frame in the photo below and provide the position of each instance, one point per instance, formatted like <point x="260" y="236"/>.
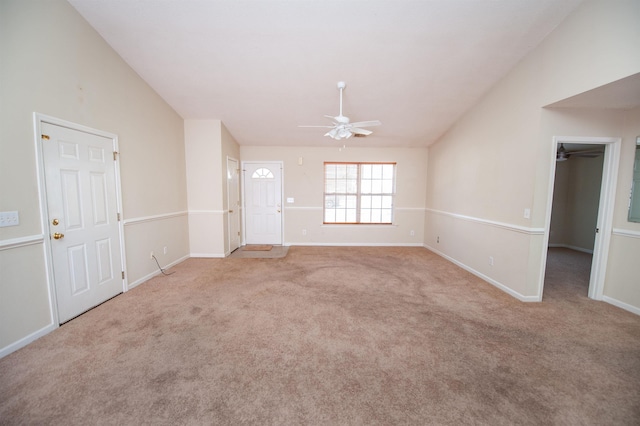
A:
<point x="605" y="209"/>
<point x="229" y="207"/>
<point x="279" y="164"/>
<point x="38" y="119"/>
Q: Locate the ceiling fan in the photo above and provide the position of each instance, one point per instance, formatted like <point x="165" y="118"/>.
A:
<point x="563" y="155"/>
<point x="342" y="128"/>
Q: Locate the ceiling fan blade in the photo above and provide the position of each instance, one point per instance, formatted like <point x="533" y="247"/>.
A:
<point x="364" y="132"/>
<point x="367" y="123"/>
<point x="342" y="128"/>
<point x="587" y="151"/>
<point x="593" y="154"/>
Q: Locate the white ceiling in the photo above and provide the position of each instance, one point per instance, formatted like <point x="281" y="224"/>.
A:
<point x="265" y="67"/>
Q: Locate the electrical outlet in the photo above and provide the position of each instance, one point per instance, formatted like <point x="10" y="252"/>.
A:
<point x="490" y="260"/>
<point x="412" y="233"/>
<point x="165" y="250"/>
<point x="304" y="232"/>
<point x="9" y="219"/>
<point x="151" y="256"/>
<point x="527" y="213"/>
<point x="438" y="239"/>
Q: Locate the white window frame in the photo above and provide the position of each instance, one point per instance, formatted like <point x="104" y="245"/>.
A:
<point x="331" y="198"/>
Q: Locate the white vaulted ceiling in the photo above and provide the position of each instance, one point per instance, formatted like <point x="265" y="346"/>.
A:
<point x="264" y="67"/>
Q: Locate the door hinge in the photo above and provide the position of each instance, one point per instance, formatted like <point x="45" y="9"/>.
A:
<point x="123" y="275"/>
<point x="118" y="217"/>
<point x="45" y="137"/>
<point x="115" y="155"/>
<point x="238" y="233"/>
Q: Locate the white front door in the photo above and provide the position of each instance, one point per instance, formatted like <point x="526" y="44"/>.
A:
<point x="233" y="202"/>
<point x="263" y="202"/>
<point x="80" y="180"/>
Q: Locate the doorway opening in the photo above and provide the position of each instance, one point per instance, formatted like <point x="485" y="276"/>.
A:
<point x="233" y="203"/>
<point x="574" y="217"/>
<point x="579" y="214"/>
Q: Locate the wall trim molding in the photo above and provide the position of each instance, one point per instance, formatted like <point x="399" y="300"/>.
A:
<point x="486" y="278"/>
<point x="21" y="343"/>
<point x="153" y="218"/>
<point x="154" y="273"/>
<point x="502" y="225"/>
<point x="626" y="233"/>
<point x="621" y="305"/>
<point x="570" y="247"/>
<point x="29" y="240"/>
<point x="207" y="211"/>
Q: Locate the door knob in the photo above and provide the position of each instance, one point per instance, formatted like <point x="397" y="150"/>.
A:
<point x="57" y="236"/>
<point x="55" y="222"/>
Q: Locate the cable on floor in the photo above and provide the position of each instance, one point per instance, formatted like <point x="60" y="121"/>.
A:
<point x="162" y="270"/>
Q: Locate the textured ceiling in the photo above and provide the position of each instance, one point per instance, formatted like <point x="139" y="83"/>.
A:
<point x="265" y="67"/>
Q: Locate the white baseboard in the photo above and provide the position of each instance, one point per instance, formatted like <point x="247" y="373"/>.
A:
<point x="583" y="250"/>
<point x="154" y="273"/>
<point x="309" y="244"/>
<point x="26" y="340"/>
<point x="482" y="276"/>
<point x="208" y="255"/>
<point x="621" y="305"/>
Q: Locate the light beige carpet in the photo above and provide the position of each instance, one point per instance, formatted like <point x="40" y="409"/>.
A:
<point x="332" y="336"/>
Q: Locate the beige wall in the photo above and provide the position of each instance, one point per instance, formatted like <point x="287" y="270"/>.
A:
<point x="576" y="197"/>
<point x="494" y="162"/>
<point x="55" y="64"/>
<point x="208" y="143"/>
<point x="623" y="270"/>
<point x="305" y="185"/>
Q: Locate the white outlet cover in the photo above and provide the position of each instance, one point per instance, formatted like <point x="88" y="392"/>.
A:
<point x="9" y="219"/>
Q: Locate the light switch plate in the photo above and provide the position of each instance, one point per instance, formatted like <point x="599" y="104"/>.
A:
<point x="290" y="200"/>
<point x="9" y="219"/>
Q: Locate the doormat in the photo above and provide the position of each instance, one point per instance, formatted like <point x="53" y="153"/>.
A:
<point x="258" y="247"/>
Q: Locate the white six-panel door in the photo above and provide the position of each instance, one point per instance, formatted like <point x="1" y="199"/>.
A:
<point x="83" y="218"/>
<point x="263" y="203"/>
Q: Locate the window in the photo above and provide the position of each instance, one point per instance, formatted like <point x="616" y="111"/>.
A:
<point x="262" y="173"/>
<point x="359" y="192"/>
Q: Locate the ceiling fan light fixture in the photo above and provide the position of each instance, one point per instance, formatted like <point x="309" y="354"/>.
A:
<point x="344" y="133"/>
<point x="342" y="128"/>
